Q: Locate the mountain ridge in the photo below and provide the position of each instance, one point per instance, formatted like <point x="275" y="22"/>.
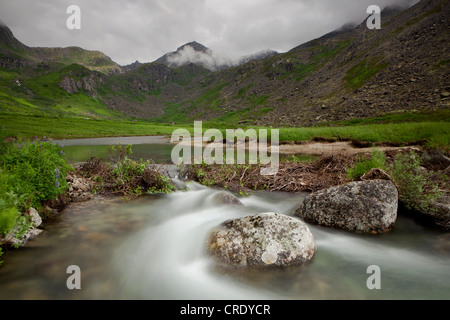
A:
<point x="348" y="73"/>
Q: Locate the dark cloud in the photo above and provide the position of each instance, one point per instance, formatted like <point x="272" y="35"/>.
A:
<point x="145" y="30"/>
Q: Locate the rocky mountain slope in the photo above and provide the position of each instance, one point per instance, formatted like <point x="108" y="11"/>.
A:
<point x="349" y="73"/>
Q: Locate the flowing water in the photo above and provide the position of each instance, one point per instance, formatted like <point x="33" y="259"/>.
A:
<point x="154" y="248"/>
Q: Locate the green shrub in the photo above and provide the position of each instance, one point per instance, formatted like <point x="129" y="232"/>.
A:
<point x="126" y="176"/>
<point x="157" y="182"/>
<point x="34" y="172"/>
<point x="416" y="189"/>
<point x="364" y="165"/>
<point x="8" y="217"/>
<point x="127" y="169"/>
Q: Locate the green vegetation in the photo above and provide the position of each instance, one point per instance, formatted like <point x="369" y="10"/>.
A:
<point x="124" y="176"/>
<point x="8" y="217"/>
<point x="37" y="92"/>
<point x="436" y="116"/>
<point x="433" y="134"/>
<point x="247" y="114"/>
<point x="34" y="172"/>
<point x="358" y="75"/>
<point x="31" y="174"/>
<point x="225" y="176"/>
<point x="241" y="93"/>
<point x="56" y="128"/>
<point x="364" y="165"/>
<point x="320" y="55"/>
<point x="417" y="189"/>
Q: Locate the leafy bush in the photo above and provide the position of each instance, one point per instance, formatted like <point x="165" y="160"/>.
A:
<point x="35" y="172"/>
<point x="364" y="165"/>
<point x="8" y="217"/>
<point x="127" y="169"/>
<point x="416" y="189"/>
<point x="127" y="177"/>
<point x="157" y="182"/>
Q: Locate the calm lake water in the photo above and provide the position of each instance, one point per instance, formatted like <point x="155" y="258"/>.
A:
<point x="154" y="248"/>
<point x="157" y="148"/>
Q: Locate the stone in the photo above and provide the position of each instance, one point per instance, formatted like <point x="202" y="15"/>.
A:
<point x="439" y="212"/>
<point x="261" y="241"/>
<point x="12" y="240"/>
<point x="35" y="218"/>
<point x="227" y="198"/>
<point x="361" y="206"/>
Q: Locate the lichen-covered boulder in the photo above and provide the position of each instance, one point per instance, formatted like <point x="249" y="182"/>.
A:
<point x="262" y="240"/>
<point x="361" y="206"/>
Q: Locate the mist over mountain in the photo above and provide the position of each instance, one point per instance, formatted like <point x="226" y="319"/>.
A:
<point x="196" y="53"/>
<point x="348" y="73"/>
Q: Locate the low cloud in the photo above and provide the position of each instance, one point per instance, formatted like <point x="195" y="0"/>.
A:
<point x="207" y="58"/>
<point x="145" y="30"/>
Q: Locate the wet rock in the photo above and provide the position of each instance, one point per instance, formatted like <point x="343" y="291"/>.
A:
<point x="179" y="185"/>
<point x="227" y="198"/>
<point x="439" y="212"/>
<point x="262" y="240"/>
<point x="435" y="160"/>
<point x="362" y="206"/>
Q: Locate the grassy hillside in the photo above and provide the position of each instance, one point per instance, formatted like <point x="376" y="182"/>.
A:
<point x="37" y="91"/>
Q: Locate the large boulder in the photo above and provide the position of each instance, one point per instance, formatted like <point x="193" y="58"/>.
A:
<point x="361" y="206"/>
<point x="262" y="240"/>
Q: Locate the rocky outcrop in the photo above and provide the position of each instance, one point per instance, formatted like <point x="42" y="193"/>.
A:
<point x="262" y="240"/>
<point x="80" y="188"/>
<point x="70" y="85"/>
<point x="362" y="206"/>
<point x="19" y="238"/>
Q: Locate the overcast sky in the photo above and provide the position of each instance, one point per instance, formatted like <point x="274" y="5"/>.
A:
<point x="144" y="30"/>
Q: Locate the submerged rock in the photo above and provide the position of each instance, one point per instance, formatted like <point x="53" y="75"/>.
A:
<point x="227" y="198"/>
<point x="362" y="206"/>
<point x="262" y="240"/>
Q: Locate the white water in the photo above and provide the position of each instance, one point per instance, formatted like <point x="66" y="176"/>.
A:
<point x="154" y="248"/>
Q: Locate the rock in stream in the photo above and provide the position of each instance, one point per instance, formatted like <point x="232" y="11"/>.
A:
<point x="360" y="206"/>
<point x="262" y="240"/>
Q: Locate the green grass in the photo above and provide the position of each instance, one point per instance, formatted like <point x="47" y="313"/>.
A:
<point x="435" y="134"/>
<point x="25" y="127"/>
<point x="436" y="116"/>
<point x="364" y="164"/>
<point x="392" y="132"/>
<point x="361" y="73"/>
<point x="320" y="56"/>
<point x="39" y="94"/>
<point x="245" y="114"/>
